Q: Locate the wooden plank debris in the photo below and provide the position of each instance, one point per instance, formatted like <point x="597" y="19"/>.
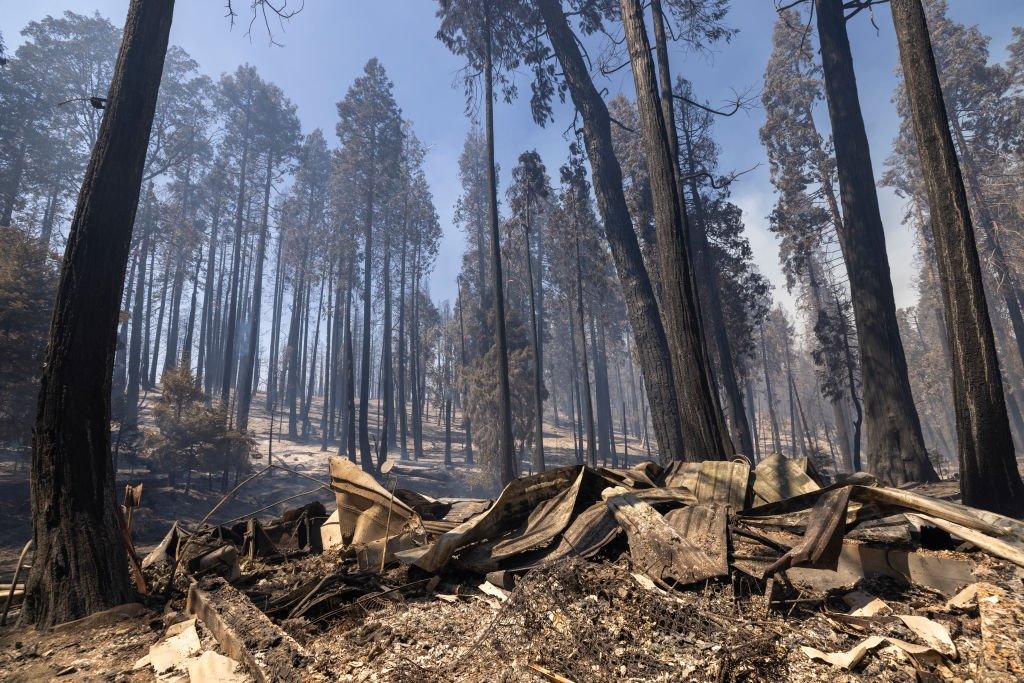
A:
<point x="994" y="546"/>
<point x="245" y="633"/>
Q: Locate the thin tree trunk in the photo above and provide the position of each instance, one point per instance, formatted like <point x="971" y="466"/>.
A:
<point x="243" y="398"/>
<point x="773" y="419"/>
<point x="186" y="345"/>
<point x="159" y="322"/>
<point x="538" y="398"/>
<point x="206" y="317"/>
<point x="465" y="382"/>
<point x="591" y="458"/>
<point x="365" y="456"/>
<point x="311" y="385"/>
<point x="232" y="314"/>
<point x="131" y="409"/>
<point x="275" y="327"/>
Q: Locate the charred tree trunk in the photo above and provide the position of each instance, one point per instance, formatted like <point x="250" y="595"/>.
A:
<point x="365" y="455"/>
<point x="206" y="316"/>
<point x="506" y="461"/>
<point x="588" y="407"/>
<point x="651" y="342"/>
<point x="131" y="408"/>
<point x="403" y="426"/>
<point x="770" y="395"/>
<point x="159" y="322"/>
<point x="465" y="383"/>
<point x="702" y="268"/>
<point x="703" y="424"/>
<point x="79" y="565"/>
<point x="236" y="264"/>
<point x="294" y="339"/>
<point x="538" y="398"/>
<point x="989" y="477"/>
<point x="387" y="389"/>
<point x="243" y="400"/>
<point x="275" y="329"/>
<point x="895" y="445"/>
<point x="186" y="344"/>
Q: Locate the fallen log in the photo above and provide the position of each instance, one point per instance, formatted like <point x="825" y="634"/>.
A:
<point x="245" y="633"/>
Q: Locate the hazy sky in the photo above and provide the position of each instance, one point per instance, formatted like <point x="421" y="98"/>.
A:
<point x="323" y="48"/>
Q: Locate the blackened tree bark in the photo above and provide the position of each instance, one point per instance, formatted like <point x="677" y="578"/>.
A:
<point x="186" y="344"/>
<point x="714" y="320"/>
<point x="702" y="421"/>
<point x="292" y="378"/>
<point x="365" y="455"/>
<point x="651" y="342"/>
<point x="275" y="328"/>
<point x="387" y="389"/>
<point x="403" y="425"/>
<point x="1009" y="290"/>
<point x="159" y="321"/>
<point x="506" y="470"/>
<point x="702" y="267"/>
<point x="893" y="441"/>
<point x="601" y="414"/>
<point x="79" y="565"/>
<point x="989" y="477"/>
<point x="206" y="314"/>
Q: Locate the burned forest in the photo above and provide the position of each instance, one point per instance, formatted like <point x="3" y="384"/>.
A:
<point x="512" y="340"/>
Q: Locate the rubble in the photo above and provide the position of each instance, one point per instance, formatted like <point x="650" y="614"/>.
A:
<point x="698" y="571"/>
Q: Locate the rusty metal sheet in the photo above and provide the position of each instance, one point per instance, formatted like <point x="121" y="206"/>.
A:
<point x="777" y="478"/>
<point x="515" y="503"/>
<point x="657" y="549"/>
<point x="544" y="525"/>
<point x="707" y="527"/>
<point x="823" y="540"/>
<point x="722" y="481"/>
<point x="366" y="510"/>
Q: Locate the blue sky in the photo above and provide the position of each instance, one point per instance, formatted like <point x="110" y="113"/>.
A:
<point x="324" y="47"/>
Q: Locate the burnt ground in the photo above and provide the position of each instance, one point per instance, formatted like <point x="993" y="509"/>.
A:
<point x="163" y="504"/>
